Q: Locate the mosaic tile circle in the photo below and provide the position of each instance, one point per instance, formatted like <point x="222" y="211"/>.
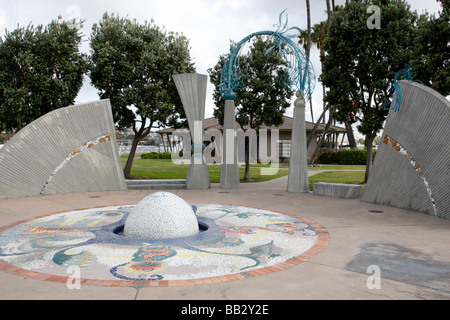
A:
<point x="236" y="242"/>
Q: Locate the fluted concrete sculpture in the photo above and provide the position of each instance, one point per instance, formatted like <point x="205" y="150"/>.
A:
<point x="192" y="91"/>
<point x="411" y="169"/>
<point x="298" y="164"/>
<point x="68" y="150"/>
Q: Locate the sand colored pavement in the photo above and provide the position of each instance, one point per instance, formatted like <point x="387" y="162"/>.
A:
<point x="410" y="251"/>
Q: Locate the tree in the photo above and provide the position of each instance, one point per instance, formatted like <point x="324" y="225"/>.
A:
<point x="319" y="36"/>
<point x="308" y="37"/>
<point x="4" y="137"/>
<point x="263" y="100"/>
<point x="359" y="65"/>
<point x="41" y="69"/>
<point x="132" y="64"/>
<point x="328" y="12"/>
<point x="305" y="39"/>
<point x="432" y="56"/>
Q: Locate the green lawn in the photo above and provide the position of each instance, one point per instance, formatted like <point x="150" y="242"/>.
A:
<point x="165" y="169"/>
<point x="322" y="167"/>
<point x="347" y="177"/>
<point x="339" y="167"/>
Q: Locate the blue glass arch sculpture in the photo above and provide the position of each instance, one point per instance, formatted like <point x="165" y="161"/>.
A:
<point x="407" y="74"/>
<point x="300" y="75"/>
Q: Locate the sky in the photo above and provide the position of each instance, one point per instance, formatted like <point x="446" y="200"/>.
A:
<point x="208" y="24"/>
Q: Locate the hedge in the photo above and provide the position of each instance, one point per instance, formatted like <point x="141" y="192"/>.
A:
<point x="156" y="155"/>
<point x="345" y="157"/>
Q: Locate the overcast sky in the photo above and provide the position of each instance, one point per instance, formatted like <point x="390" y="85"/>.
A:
<point x="208" y="24"/>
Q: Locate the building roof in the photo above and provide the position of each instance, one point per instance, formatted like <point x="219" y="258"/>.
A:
<point x="212" y="123"/>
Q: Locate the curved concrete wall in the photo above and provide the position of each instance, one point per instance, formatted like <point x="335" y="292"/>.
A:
<point x="411" y="169"/>
<point x="68" y="150"/>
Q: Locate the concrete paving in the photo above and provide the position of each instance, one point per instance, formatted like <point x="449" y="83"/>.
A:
<point x="410" y="249"/>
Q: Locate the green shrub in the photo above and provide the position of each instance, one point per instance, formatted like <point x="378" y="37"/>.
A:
<point x="344" y="157"/>
<point x="156" y="155"/>
<point x="327" y="157"/>
<point x="351" y="157"/>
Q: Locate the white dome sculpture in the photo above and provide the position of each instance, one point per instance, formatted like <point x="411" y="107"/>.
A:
<point x="161" y="215"/>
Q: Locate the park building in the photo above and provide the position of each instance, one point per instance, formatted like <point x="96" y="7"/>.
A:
<point x="335" y="136"/>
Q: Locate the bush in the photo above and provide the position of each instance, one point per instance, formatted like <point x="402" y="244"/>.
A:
<point x="327" y="157"/>
<point x="345" y="157"/>
<point x="156" y="155"/>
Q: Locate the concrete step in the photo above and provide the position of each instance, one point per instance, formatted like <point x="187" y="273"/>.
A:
<point x="156" y="184"/>
<point x="159" y="181"/>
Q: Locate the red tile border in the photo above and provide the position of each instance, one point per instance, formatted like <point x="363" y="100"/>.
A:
<point x="323" y="240"/>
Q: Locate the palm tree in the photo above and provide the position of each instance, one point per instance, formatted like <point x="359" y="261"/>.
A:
<point x="305" y="40"/>
<point x="308" y="42"/>
<point x="319" y="34"/>
<point x="328" y="11"/>
<point x="318" y="37"/>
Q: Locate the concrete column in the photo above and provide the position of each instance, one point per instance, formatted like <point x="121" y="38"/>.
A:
<point x="192" y="90"/>
<point x="298" y="164"/>
<point x="229" y="174"/>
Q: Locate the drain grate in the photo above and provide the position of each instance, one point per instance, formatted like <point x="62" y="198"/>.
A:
<point x="376" y="211"/>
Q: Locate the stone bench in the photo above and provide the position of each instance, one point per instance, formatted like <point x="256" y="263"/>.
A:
<point x="156" y="184"/>
<point x="338" y="190"/>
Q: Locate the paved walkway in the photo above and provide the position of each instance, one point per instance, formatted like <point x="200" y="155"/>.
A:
<point x="410" y="250"/>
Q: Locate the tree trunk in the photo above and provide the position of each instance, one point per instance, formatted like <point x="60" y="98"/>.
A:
<point x="308" y="48"/>
<point x="324" y="103"/>
<point x="350" y="135"/>
<point x="247" y="159"/>
<point x="369" y="147"/>
<point x="328" y="12"/>
<point x="313" y="132"/>
<point x="308" y="12"/>
<point x="138" y="136"/>
<point x="127" y="170"/>
<point x="313" y="157"/>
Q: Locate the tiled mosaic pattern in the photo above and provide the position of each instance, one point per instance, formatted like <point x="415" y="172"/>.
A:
<point x="402" y="150"/>
<point x="78" y="151"/>
<point x="239" y="242"/>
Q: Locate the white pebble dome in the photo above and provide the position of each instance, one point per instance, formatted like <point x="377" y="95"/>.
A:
<point x="161" y="215"/>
